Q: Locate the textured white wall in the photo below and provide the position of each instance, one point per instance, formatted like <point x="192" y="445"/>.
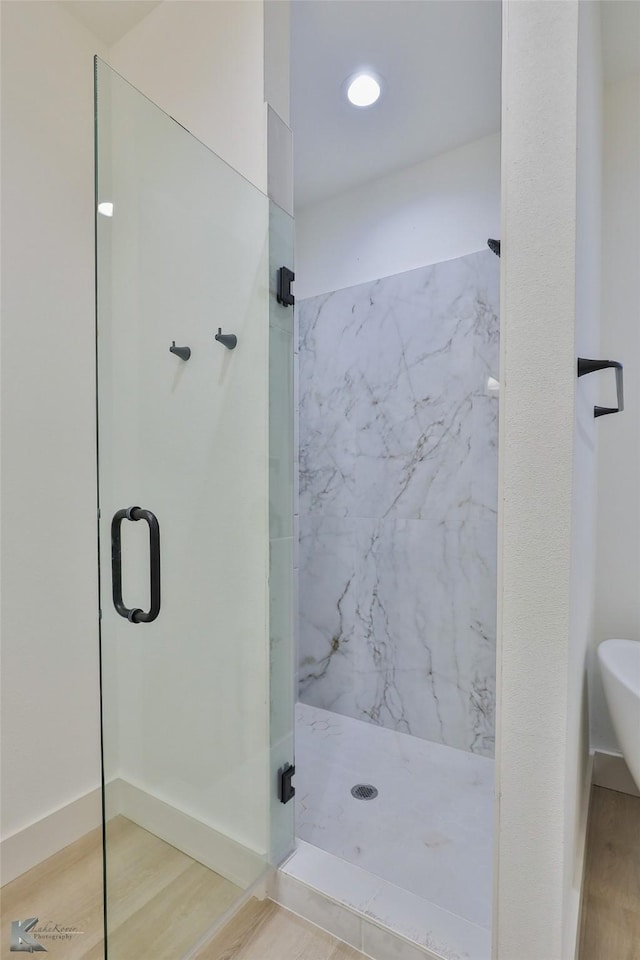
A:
<point x="536" y="735"/>
<point x="588" y="430"/>
<point x="443" y="208"/>
<point x="618" y="564"/>
<point x="50" y="721"/>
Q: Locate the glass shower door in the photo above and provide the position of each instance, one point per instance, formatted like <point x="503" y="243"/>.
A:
<point x="182" y="255"/>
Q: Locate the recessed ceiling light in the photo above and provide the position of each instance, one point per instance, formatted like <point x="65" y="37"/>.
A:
<point x="105" y="208"/>
<point x="363" y="90"/>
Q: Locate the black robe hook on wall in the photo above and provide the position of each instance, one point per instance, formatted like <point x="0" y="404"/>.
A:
<point x="229" y="340"/>
<point x="183" y="352"/>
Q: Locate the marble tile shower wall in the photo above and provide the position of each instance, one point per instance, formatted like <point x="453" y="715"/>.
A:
<point x="397" y="501"/>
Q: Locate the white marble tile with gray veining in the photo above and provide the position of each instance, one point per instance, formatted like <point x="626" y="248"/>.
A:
<point x="398" y="500"/>
<point x="392" y="378"/>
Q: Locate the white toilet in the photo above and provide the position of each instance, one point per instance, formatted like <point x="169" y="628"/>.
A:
<point x="620" y="668"/>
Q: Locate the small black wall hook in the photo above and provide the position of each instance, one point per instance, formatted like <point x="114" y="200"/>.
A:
<point x="183" y="352"/>
<point x="229" y="340"/>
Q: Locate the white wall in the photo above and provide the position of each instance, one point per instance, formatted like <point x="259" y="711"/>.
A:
<point x="204" y="64"/>
<point x="618" y="542"/>
<point x="442" y="208"/>
<point x="536" y="730"/>
<point x="50" y="720"/>
<point x="587" y="432"/>
<point x="185" y="250"/>
<point x="277" y="47"/>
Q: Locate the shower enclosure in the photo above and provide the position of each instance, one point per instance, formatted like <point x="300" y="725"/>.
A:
<point x="197" y="695"/>
<point x="398" y="491"/>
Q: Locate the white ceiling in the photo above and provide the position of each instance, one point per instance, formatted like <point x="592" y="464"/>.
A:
<point x="109" y="20"/>
<point x="441" y="64"/>
<point x="440" y="60"/>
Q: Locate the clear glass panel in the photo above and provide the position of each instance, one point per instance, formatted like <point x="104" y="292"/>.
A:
<point x="188" y="773"/>
<point x="281" y="530"/>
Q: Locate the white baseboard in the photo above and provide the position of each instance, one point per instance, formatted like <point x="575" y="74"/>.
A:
<point x="213" y="849"/>
<point x="42" y="839"/>
<point x="611" y="771"/>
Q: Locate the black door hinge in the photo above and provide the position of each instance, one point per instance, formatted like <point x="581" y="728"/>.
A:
<point x="285" y="279"/>
<point x="287" y="791"/>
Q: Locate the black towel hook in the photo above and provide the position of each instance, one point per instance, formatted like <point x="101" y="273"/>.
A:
<point x="183" y="352"/>
<point x="229" y="340"/>
<point x="590" y="366"/>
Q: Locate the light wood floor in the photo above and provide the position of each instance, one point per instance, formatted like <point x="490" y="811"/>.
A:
<point x="164" y="901"/>
<point x="160" y="900"/>
<point x="161" y="903"/>
<point x="264" y="931"/>
<point x="611" y="897"/>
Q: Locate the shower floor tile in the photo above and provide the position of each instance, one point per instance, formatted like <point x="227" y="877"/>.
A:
<point x="430" y="829"/>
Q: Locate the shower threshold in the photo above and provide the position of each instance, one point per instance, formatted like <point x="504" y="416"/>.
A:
<point x="379" y="919"/>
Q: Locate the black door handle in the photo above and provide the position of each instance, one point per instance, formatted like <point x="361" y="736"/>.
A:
<point x="590" y="366"/>
<point x="135" y="615"/>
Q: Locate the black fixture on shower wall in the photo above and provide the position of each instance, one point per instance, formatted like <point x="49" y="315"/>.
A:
<point x="494" y="246"/>
<point x="183" y="352"/>
<point x="286" y="790"/>
<point x="285" y="279"/>
<point x="228" y="340"/>
<point x="590" y="366"/>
